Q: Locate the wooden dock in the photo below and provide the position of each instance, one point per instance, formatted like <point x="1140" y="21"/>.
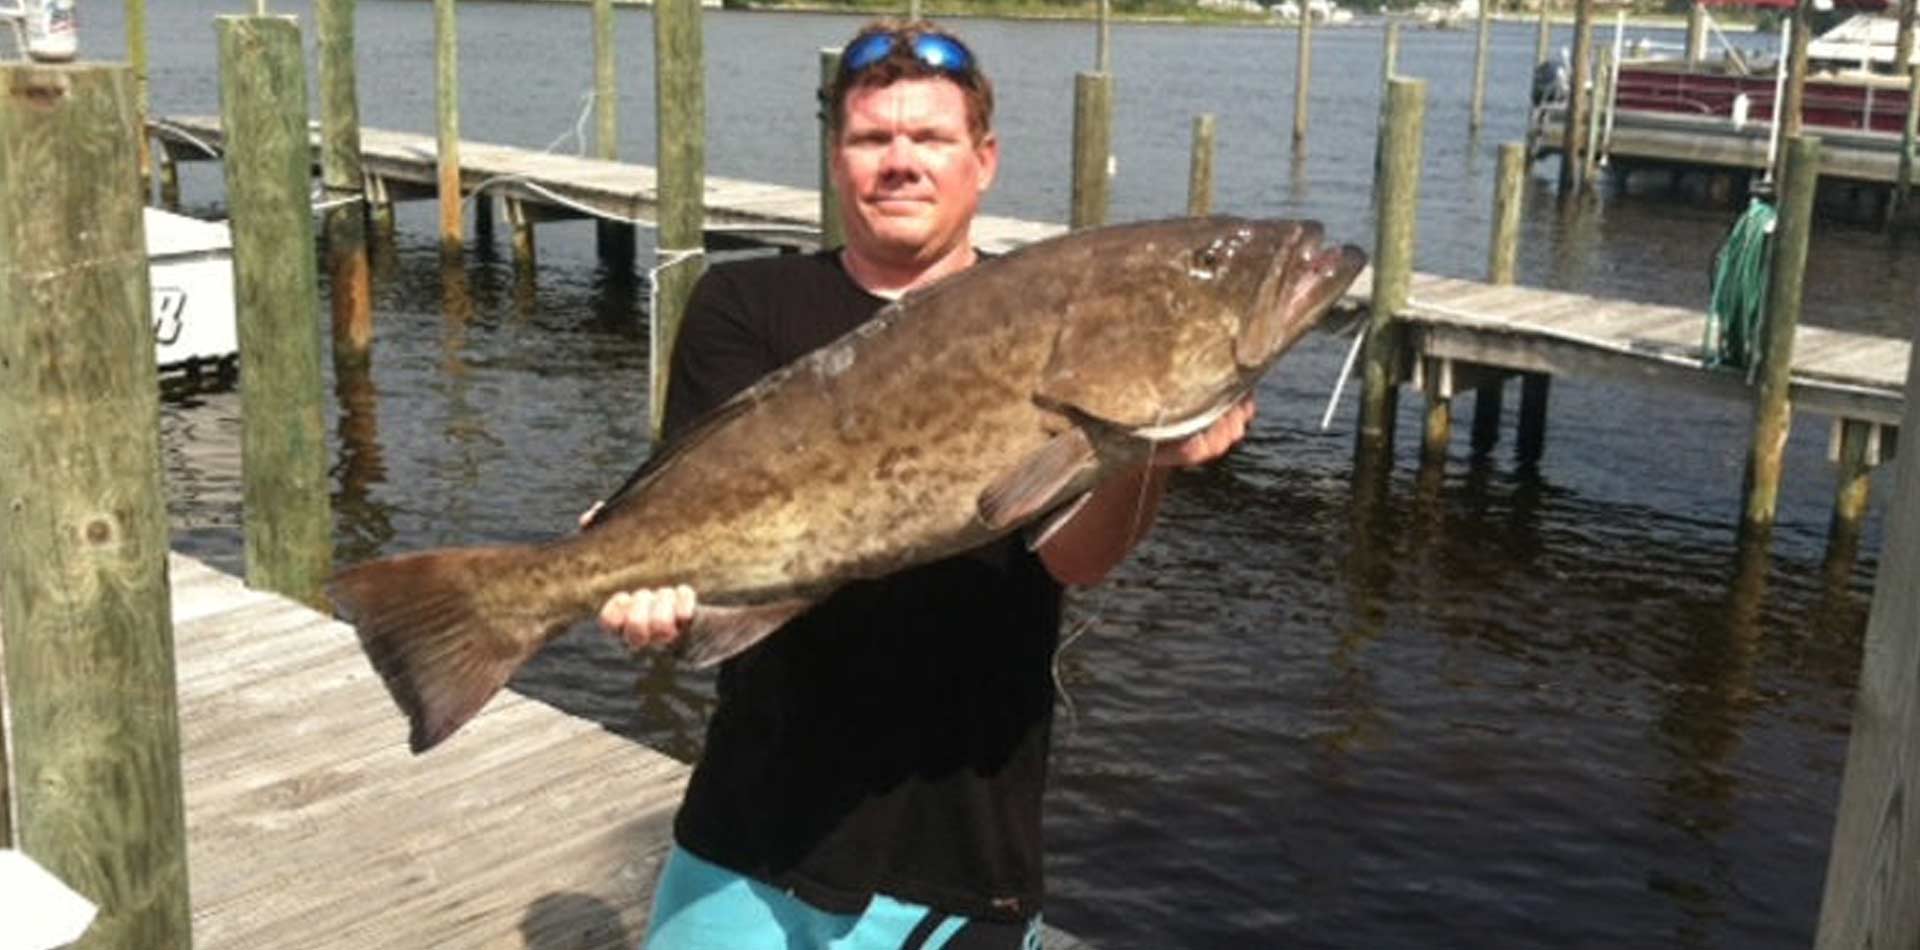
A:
<point x="1475" y="324"/>
<point x="544" y="186"/>
<point x="310" y="825"/>
<point x="1469" y="324"/>
<point x="1647" y="138"/>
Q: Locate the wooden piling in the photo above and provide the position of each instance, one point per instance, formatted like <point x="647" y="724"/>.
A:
<point x="1502" y="255"/>
<point x="1543" y="35"/>
<point x="1399" y="191"/>
<point x="1903" y="38"/>
<point x="1857" y="453"/>
<point x="1793" y="99"/>
<point x="349" y="268"/>
<point x="520" y="222"/>
<point x="1103" y="47"/>
<point x="84" y="602"/>
<point x="1571" y="150"/>
<point x="613" y="239"/>
<point x="1389" y="61"/>
<point x="1200" y="167"/>
<point x="1504" y="250"/>
<point x="446" y="97"/>
<point x="169" y="179"/>
<point x="1092" y="148"/>
<point x="832" y="229"/>
<point x="283" y="443"/>
<point x="1596" y="104"/>
<point x="136" y="18"/>
<point x="1436" y="383"/>
<point x="1480" y="47"/>
<point x="680" y="114"/>
<point x="1772" y="412"/>
<point x="1530" y="433"/>
<point x="1872" y="896"/>
<point x="1696" y="33"/>
<point x="1302" y="81"/>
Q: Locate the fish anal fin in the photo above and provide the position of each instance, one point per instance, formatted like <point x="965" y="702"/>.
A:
<point x="718" y="632"/>
<point x="1038" y="481"/>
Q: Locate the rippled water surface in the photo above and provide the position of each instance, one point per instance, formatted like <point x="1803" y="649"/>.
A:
<point x="1501" y="706"/>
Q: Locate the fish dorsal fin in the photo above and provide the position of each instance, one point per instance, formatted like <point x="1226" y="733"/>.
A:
<point x="1038" y="482"/>
<point x="717" y="632"/>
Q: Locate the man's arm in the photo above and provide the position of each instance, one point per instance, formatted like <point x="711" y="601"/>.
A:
<point x="1118" y="513"/>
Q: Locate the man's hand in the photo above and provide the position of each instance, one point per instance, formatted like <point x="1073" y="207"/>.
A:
<point x="649" y="618"/>
<point x="645" y="618"/>
<point x="1203" y="447"/>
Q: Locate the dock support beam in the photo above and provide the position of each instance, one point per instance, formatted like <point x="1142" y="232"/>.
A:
<point x="283" y="442"/>
<point x="1092" y="148"/>
<point x="348" y="266"/>
<point x="1436" y="384"/>
<point x="1772" y="412"/>
<point x="1856" y="452"/>
<point x="1696" y="33"/>
<point x="521" y="224"/>
<point x="680" y="114"/>
<point x="90" y="678"/>
<point x="1200" y="167"/>
<point x="1530" y="440"/>
<point x="1872" y="894"/>
<point x="1399" y="191"/>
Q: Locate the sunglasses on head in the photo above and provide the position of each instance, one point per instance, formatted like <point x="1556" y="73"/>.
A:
<point x="936" y="50"/>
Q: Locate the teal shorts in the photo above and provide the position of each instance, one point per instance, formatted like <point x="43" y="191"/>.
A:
<point x="699" y="905"/>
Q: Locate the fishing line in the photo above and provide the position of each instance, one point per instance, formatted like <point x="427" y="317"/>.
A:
<point x="1346" y="370"/>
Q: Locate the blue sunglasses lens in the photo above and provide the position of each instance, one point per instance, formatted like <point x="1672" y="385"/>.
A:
<point x="940" y="52"/>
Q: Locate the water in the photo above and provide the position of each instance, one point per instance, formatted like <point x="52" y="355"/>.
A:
<point x="1509" y="707"/>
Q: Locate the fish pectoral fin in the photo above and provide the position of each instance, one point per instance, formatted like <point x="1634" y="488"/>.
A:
<point x="1038" y="481"/>
<point x="716" y="632"/>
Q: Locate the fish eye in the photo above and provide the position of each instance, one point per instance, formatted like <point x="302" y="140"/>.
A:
<point x="1206" y="261"/>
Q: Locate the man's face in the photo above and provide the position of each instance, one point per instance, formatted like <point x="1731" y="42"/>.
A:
<point x="910" y="175"/>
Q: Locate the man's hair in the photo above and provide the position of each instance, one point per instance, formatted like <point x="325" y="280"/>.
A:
<point x="900" y="64"/>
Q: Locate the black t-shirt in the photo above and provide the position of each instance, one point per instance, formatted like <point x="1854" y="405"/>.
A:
<point x="893" y="739"/>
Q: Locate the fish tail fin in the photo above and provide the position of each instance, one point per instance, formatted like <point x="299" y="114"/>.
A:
<point x="442" y="649"/>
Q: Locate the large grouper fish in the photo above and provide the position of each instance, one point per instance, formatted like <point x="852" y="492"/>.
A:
<point x="964" y="411"/>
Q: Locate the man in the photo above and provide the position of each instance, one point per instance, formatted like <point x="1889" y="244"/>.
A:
<point x="873" y="771"/>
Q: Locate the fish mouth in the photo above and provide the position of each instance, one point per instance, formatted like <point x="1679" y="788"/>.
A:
<point x="1301" y="285"/>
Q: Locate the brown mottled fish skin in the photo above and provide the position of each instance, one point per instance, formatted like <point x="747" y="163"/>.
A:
<point x="964" y="411"/>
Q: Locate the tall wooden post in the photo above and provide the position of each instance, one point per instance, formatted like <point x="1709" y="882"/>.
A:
<point x="1389" y="61"/>
<point x="1200" y="167"/>
<point x="833" y="231"/>
<point x="1571" y="169"/>
<point x="1872" y="894"/>
<point x="1903" y="38"/>
<point x="1092" y="148"/>
<point x="1502" y="255"/>
<point x="283" y="441"/>
<point x="84" y="604"/>
<point x="680" y="115"/>
<point x="1857" y="452"/>
<point x="348" y="266"/>
<point x="1399" y="191"/>
<point x="1772" y="412"/>
<point x="1793" y="98"/>
<point x="615" y="239"/>
<point x="136" y="16"/>
<point x="1480" y="46"/>
<point x="446" y="97"/>
<point x="1103" y="47"/>
<point x="1302" y="81"/>
<point x="1696" y="33"/>
<point x="1543" y="35"/>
